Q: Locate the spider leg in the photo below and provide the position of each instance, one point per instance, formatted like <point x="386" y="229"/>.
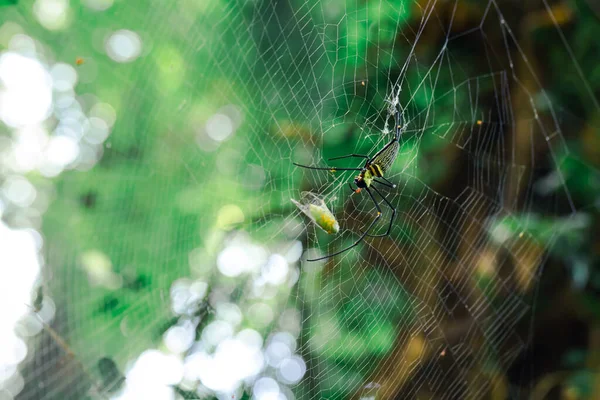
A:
<point x="360" y="239"/>
<point x="374" y="201"/>
<point x="349" y="156"/>
<point x="388" y="184"/>
<point x="376" y="206"/>
<point x="389" y="228"/>
<point x="332" y="169"/>
<point x="351" y="188"/>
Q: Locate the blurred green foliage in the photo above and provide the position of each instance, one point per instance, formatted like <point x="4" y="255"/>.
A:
<point x="309" y="89"/>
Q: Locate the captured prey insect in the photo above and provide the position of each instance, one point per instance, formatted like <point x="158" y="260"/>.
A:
<point x="315" y="208"/>
<point x="374" y="167"/>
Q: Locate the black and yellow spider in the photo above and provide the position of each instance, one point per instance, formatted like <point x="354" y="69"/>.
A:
<point x="375" y="167"/>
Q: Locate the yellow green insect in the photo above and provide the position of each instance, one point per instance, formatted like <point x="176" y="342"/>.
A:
<point x="315" y="208"/>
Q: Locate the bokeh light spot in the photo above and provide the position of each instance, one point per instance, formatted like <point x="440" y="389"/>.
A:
<point x="124" y="46"/>
<point x="99" y="269"/>
<point x="179" y="338"/>
<point x="152" y="375"/>
<point x="232" y="363"/>
<point x="291" y="370"/>
<point x="26" y="98"/>
<point x="229" y="312"/>
<point x="62" y="151"/>
<point x="18" y="190"/>
<point x="216" y="332"/>
<point x="229" y="215"/>
<point x="52" y="14"/>
<point x="266" y="388"/>
<point x="219" y="127"/>
<point x="105" y="112"/>
<point x="64" y="77"/>
<point x="275" y="270"/>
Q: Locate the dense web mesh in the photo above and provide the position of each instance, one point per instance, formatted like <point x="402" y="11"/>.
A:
<point x="181" y="270"/>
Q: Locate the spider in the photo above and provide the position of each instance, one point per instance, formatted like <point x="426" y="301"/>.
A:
<point x="374" y="167"/>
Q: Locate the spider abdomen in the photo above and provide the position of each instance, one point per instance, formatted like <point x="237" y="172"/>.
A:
<point x="375" y="170"/>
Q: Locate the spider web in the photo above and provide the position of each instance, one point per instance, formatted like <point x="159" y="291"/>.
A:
<point x="188" y="270"/>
